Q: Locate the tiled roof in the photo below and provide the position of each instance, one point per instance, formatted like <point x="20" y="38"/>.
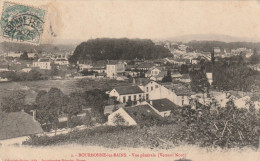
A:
<point x="142" y="81"/>
<point x="178" y="89"/>
<point x="146" y="65"/>
<point x="44" y="60"/>
<point x="140" y="113"/>
<point x="128" y="90"/>
<point x="163" y="105"/>
<point x="18" y="124"/>
<point x="161" y="74"/>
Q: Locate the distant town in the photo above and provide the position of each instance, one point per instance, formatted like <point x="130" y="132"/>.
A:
<point x="209" y="88"/>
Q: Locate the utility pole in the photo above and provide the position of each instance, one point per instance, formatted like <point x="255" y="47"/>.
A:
<point x="213" y="64"/>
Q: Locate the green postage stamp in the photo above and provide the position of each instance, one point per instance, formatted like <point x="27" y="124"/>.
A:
<point x="22" y="23"/>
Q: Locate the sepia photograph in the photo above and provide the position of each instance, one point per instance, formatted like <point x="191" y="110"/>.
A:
<point x="91" y="80"/>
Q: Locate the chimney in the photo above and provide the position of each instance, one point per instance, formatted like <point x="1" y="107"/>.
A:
<point x="151" y="102"/>
<point x="34" y="114"/>
<point x="133" y="80"/>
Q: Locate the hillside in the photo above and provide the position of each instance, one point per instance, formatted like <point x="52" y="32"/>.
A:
<point x="115" y="49"/>
<point x="21" y="47"/>
<point x="212" y="37"/>
<point x="207" y="46"/>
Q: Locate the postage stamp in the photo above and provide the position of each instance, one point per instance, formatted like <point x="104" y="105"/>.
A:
<point x="22" y="23"/>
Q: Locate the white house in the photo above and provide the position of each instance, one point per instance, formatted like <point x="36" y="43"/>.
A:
<point x="43" y="63"/>
<point x="174" y="92"/>
<point x="210" y="78"/>
<point x="61" y="61"/>
<point x="154" y="71"/>
<point x="127" y="93"/>
<point x="113" y="69"/>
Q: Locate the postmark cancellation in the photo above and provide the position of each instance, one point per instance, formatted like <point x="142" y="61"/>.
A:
<point x="22" y="23"/>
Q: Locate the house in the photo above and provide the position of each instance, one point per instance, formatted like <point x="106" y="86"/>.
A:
<point x="127" y="93"/>
<point x="144" y="66"/>
<point x="216" y="50"/>
<point x="114" y="68"/>
<point x="32" y="55"/>
<point x="185" y="78"/>
<point x="163" y="107"/>
<point x="84" y="67"/>
<point x="154" y="71"/>
<point x="43" y="63"/>
<point x="177" y="93"/>
<point x="121" y="78"/>
<point x="134" y="115"/>
<point x="26" y="70"/>
<point x="195" y="61"/>
<point x="18" y="124"/>
<point x="61" y="61"/>
<point x="210" y="78"/>
<point x="13" y="55"/>
<point x="159" y="77"/>
<point x="176" y="75"/>
<point x="148" y="86"/>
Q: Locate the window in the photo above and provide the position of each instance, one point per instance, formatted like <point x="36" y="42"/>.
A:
<point x="124" y="99"/>
<point x="147" y="89"/>
<point x="134" y="97"/>
<point x="147" y="96"/>
<point x="151" y="88"/>
<point x="129" y="98"/>
<point x="156" y="86"/>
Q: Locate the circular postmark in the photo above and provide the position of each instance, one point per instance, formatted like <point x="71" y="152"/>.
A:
<point x="22" y="23"/>
<point x="24" y="27"/>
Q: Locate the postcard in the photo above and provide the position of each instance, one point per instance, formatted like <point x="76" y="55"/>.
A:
<point x="166" y="80"/>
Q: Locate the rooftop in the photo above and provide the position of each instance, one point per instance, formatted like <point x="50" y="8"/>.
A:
<point x="128" y="90"/>
<point x="17" y="124"/>
<point x="163" y="105"/>
<point x="141" y="113"/>
<point x="178" y="89"/>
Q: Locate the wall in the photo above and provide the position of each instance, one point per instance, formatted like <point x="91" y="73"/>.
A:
<point x="122" y="113"/>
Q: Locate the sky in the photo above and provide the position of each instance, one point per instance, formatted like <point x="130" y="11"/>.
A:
<point x="78" y="20"/>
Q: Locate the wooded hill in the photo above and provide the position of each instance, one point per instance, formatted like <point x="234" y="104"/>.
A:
<point x="115" y="49"/>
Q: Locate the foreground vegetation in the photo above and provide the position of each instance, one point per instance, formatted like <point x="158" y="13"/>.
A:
<point x="216" y="127"/>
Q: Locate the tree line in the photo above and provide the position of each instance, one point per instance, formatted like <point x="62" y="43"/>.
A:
<point x="116" y="49"/>
<point x="53" y="104"/>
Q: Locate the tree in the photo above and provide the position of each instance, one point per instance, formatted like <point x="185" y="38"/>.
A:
<point x="24" y="56"/>
<point x="168" y="77"/>
<point x="199" y="81"/>
<point x="87" y="119"/>
<point x="34" y="75"/>
<point x="50" y="106"/>
<point x="13" y="101"/>
<point x="73" y="106"/>
<point x="184" y="69"/>
<point x="115" y="49"/>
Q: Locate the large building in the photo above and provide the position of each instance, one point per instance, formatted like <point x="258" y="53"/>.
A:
<point x="115" y="68"/>
<point x="43" y="63"/>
